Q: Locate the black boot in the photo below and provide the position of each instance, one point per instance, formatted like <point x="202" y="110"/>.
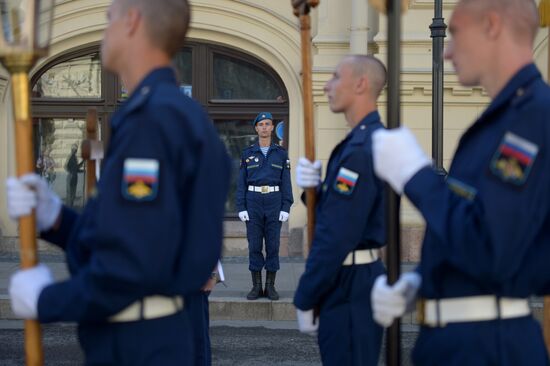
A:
<point x="256" y="286"/>
<point x="270" y="291"/>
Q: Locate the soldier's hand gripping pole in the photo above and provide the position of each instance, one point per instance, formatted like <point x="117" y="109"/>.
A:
<point x="27" y="224"/>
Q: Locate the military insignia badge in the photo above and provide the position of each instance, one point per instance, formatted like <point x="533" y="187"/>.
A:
<point x="345" y="181"/>
<point x="288" y="164"/>
<point x="140" y="179"/>
<point x="461" y="188"/>
<point x="514" y="158"/>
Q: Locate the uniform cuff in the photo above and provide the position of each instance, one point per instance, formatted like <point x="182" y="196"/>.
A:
<point x="422" y="184"/>
<point x="60" y="237"/>
<point x="300" y="302"/>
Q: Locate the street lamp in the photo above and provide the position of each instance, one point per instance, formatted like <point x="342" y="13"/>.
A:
<point x="437" y="28"/>
<point x="25" y="31"/>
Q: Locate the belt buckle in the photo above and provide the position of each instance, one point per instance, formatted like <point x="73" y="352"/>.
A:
<point x="265" y="189"/>
<point x="420" y="311"/>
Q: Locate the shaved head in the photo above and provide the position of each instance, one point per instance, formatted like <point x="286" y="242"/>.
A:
<point x="167" y="21"/>
<point x="372" y="68"/>
<point x="521" y="16"/>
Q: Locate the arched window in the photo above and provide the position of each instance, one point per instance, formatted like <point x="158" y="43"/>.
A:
<point x="232" y="86"/>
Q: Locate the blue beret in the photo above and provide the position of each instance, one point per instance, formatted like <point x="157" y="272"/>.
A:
<point x="261" y="116"/>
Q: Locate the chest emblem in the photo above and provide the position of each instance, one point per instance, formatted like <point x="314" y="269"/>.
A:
<point x="514" y="158"/>
<point x="140" y="179"/>
<point x="345" y="181"/>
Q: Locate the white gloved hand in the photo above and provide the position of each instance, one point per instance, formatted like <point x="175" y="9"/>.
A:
<point x="308" y="174"/>
<point x="391" y="302"/>
<point x="25" y="288"/>
<point x="397" y="156"/>
<point x="283" y="216"/>
<point x="243" y="215"/>
<point x="306" y="322"/>
<point x="29" y="192"/>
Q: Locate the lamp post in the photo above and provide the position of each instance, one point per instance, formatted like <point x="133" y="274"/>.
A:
<point x="25" y="31"/>
<point x="437" y="28"/>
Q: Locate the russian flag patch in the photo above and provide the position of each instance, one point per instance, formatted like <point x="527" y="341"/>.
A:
<point x="514" y="158"/>
<point x="345" y="181"/>
<point x="140" y="179"/>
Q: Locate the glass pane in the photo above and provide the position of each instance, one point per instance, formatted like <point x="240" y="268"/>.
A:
<point x="236" y="134"/>
<point x="12" y="17"/>
<point x="76" y="78"/>
<point x="237" y="79"/>
<point x="57" y="144"/>
<point x="184" y="66"/>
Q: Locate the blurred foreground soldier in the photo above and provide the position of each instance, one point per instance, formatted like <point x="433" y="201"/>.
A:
<point x="199" y="317"/>
<point x="485" y="249"/>
<point x="264" y="197"/>
<point x="344" y="259"/>
<point x="153" y="231"/>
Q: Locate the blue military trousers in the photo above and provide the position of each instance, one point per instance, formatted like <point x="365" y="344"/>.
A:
<point x="263" y="211"/>
<point x="197" y="310"/>
<point x="162" y="341"/>
<point x="348" y="335"/>
<point x="509" y="342"/>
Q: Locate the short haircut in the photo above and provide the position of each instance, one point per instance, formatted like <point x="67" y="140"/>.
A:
<point x="167" y="21"/>
<point x="372" y="68"/>
<point x="520" y="15"/>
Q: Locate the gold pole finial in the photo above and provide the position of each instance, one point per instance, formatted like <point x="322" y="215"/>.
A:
<point x="544" y="13"/>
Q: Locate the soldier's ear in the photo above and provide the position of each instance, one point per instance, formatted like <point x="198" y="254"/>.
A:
<point x="362" y="84"/>
<point x="493" y="24"/>
<point x="133" y="20"/>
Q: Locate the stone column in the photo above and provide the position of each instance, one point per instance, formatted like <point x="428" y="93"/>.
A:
<point x="358" y="43"/>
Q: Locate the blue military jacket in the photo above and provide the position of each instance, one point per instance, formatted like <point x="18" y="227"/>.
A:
<point x="488" y="224"/>
<point x="155" y="223"/>
<point x="259" y="170"/>
<point x="349" y="213"/>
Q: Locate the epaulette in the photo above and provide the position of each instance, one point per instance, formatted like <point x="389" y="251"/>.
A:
<point x="522" y="96"/>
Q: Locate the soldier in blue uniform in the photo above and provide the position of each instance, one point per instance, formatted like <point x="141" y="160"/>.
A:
<point x="349" y="230"/>
<point x="264" y="197"/>
<point x="488" y="222"/>
<point x="153" y="231"/>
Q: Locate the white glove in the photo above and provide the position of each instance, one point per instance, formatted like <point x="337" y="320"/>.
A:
<point x="308" y="174"/>
<point x="397" y="156"/>
<point x="25" y="288"/>
<point x="243" y="215"/>
<point x="283" y="216"/>
<point x="306" y="322"/>
<point x="29" y="192"/>
<point x="390" y="302"/>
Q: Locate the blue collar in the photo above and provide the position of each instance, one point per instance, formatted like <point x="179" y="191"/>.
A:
<point x="523" y="77"/>
<point x="358" y="133"/>
<point x="256" y="146"/>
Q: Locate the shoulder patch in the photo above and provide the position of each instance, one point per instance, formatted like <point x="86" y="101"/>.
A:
<point x="140" y="179"/>
<point x="514" y="158"/>
<point x="345" y="181"/>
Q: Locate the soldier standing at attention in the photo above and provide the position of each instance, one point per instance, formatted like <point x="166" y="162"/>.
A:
<point x="486" y="245"/>
<point x="153" y="231"/>
<point x="264" y="197"/>
<point x="349" y="229"/>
